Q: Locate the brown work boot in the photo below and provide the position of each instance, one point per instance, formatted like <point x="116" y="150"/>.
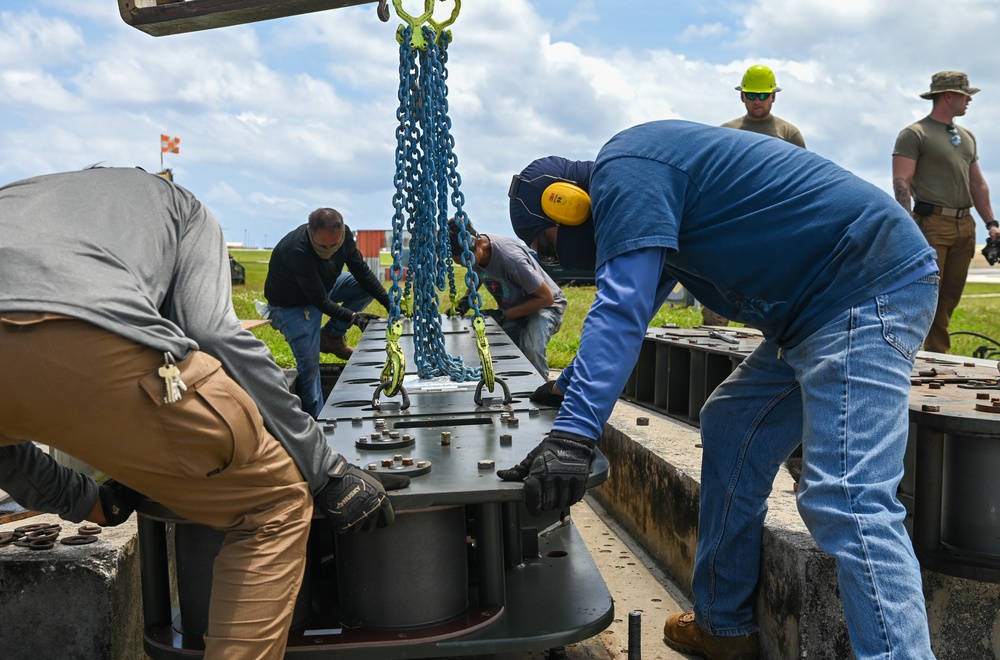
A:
<point x="682" y="633"/>
<point x="335" y="345"/>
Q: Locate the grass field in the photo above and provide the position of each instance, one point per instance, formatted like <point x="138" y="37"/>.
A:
<point x="977" y="313"/>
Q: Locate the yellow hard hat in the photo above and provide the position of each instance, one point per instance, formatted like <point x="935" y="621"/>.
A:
<point x="566" y="203"/>
<point x="758" y="78"/>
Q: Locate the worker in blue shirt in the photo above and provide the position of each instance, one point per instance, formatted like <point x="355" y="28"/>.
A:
<point x="843" y="287"/>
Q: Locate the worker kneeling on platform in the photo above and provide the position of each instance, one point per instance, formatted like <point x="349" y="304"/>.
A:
<point x="119" y="346"/>
<point x="530" y="304"/>
<point x="843" y="309"/>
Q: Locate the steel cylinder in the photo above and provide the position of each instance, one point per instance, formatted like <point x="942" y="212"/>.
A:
<point x="970" y="516"/>
<point x="411" y="573"/>
<point x="195" y="549"/>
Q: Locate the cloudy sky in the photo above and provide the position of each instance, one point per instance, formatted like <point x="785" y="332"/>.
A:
<point x="284" y="116"/>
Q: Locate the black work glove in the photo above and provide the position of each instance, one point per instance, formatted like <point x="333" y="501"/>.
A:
<point x="118" y="501"/>
<point x="362" y="319"/>
<point x="555" y="472"/>
<point x="546" y="395"/>
<point x="497" y="315"/>
<point x="462" y="307"/>
<point x="354" y="499"/>
<point x="392" y="481"/>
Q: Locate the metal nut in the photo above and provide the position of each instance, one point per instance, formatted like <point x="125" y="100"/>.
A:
<point x="486" y="464"/>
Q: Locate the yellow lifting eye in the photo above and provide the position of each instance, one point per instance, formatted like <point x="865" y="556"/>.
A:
<point x="565" y="203"/>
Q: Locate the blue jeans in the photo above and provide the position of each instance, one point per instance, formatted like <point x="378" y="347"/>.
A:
<point x="531" y="334"/>
<point x="301" y="327"/>
<point x="844" y="392"/>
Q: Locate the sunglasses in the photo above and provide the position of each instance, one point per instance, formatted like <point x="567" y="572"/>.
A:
<point x="757" y="96"/>
<point x="956" y="139"/>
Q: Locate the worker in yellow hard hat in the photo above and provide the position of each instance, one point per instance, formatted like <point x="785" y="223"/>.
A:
<point x="757" y="91"/>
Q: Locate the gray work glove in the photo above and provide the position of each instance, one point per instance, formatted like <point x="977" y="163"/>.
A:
<point x="555" y="473"/>
<point x="362" y="319"/>
<point x="354" y="499"/>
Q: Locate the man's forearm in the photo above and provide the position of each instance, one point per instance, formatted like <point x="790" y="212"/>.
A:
<point x="901" y="189"/>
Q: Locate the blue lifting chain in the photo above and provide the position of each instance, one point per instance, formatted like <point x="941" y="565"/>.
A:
<point x="426" y="179"/>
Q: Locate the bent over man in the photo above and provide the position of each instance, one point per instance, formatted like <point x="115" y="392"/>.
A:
<point x="119" y="345"/>
<point x="305" y="280"/>
<point x="530" y="304"/>
<point x="843" y="314"/>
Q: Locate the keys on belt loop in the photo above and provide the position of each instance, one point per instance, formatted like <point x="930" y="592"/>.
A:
<point x="171" y="376"/>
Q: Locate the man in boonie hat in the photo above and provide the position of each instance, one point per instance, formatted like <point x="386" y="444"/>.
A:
<point x="936" y="176"/>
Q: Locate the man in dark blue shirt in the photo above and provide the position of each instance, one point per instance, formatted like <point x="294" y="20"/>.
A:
<point x="843" y="287"/>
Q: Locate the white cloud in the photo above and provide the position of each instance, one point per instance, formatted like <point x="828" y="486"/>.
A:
<point x="284" y="116"/>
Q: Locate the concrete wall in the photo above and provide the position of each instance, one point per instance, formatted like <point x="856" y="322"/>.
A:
<point x="653" y="493"/>
<point x="72" y="602"/>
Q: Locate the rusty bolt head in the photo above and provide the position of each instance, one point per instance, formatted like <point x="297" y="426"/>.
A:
<point x="407" y="461"/>
<point x="930" y="408"/>
<point x="512" y="421"/>
<point x="388" y="462"/>
<point x="445" y="438"/>
<point x="982" y="395"/>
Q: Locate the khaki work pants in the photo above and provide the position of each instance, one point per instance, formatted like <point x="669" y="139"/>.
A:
<point x="954" y="239"/>
<point x="98" y="397"/>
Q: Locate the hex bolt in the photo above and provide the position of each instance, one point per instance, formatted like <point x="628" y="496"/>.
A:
<point x="379" y="423"/>
<point x="930" y="408"/>
<point x="512" y="421"/>
<point x="982" y="395"/>
<point x="394" y="435"/>
<point x="371" y="466"/>
<point x="388" y="462"/>
<point x="422" y="464"/>
<point x="486" y="464"/>
<point x="407" y="438"/>
<point x="934" y="386"/>
<point x="328" y="427"/>
<point x="533" y="412"/>
<point x="397" y="457"/>
<point x="356" y="421"/>
<point x="363" y="439"/>
<point x="407" y="461"/>
<point x="504" y="415"/>
<point x="445" y="438"/>
<point x="506" y="439"/>
<point x="642" y="421"/>
<point x="376" y="436"/>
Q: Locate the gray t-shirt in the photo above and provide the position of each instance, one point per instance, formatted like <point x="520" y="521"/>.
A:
<point x="513" y="275"/>
<point x="773" y="126"/>
<point x="141" y="257"/>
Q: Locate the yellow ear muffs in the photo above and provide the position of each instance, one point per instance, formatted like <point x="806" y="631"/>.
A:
<point x="565" y="203"/>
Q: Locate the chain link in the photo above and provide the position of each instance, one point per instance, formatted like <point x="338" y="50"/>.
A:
<point x="426" y="180"/>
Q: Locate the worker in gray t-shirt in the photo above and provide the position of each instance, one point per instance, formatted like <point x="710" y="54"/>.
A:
<point x="530" y="304"/>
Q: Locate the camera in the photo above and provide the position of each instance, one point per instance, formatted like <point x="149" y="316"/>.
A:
<point x="992" y="251"/>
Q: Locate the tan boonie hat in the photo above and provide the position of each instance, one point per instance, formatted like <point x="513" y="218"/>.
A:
<point x="949" y="81"/>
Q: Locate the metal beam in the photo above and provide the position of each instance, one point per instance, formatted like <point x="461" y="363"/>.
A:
<point x="163" y="17"/>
